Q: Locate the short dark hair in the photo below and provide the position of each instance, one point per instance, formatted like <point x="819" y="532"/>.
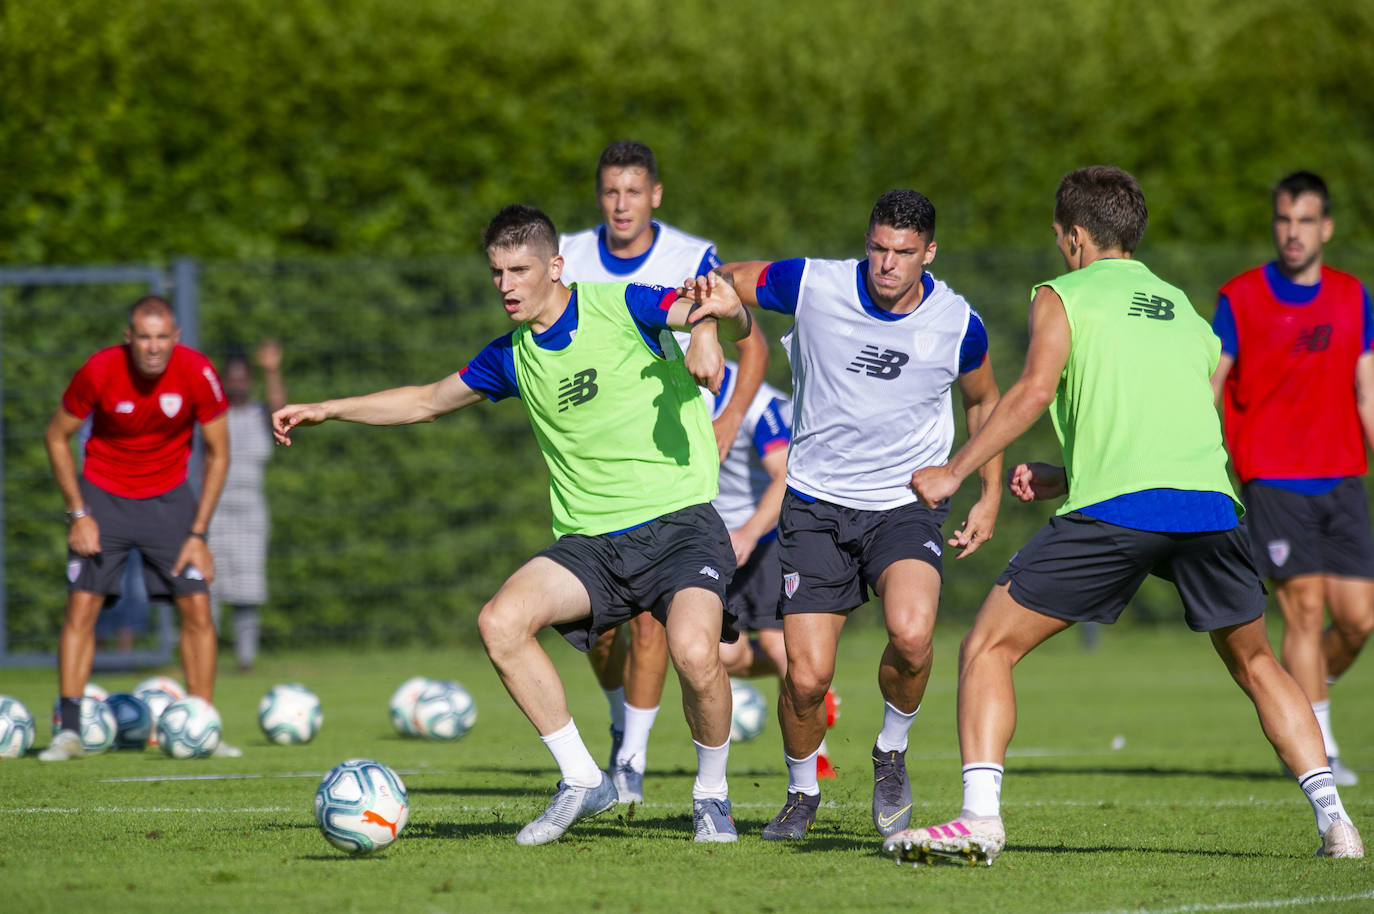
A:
<point x="1304" y="182"/>
<point x="517" y="225"/>
<point x="1107" y="202"/>
<point x="151" y="304"/>
<point x="627" y="154"/>
<point x="904" y="209"/>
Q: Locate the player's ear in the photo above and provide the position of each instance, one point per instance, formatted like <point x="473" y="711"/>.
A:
<point x="930" y="254"/>
<point x="128" y="334"/>
<point x="656" y="197"/>
<point x="556" y="267"/>
<point x="1327" y="228"/>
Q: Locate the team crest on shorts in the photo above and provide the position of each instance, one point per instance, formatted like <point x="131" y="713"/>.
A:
<point x="790" y="583"/>
<point x="73" y="569"/>
<point x="170" y="403"/>
<point x="1278" y="551"/>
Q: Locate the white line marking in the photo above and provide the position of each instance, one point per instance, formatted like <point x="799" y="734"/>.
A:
<point x="1258" y="905"/>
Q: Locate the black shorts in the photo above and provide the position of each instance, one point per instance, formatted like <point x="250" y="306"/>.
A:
<point x="1310" y="534"/>
<point x="1081" y="569"/>
<point x="832" y="555"/>
<point x="756" y="590"/>
<point x="158" y="526"/>
<point x="642" y="569"/>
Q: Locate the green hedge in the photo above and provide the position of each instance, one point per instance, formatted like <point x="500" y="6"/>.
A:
<point x="251" y="128"/>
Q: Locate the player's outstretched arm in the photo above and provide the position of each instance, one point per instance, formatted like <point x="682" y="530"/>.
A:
<point x="1018" y="408"/>
<point x="744" y="275"/>
<point x="398" y="406"/>
<point x="1224" y="366"/>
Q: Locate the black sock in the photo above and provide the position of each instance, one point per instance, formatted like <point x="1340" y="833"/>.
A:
<point x="71" y="714"/>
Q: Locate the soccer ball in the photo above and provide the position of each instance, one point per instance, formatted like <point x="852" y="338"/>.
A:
<point x="157" y="699"/>
<point x="164" y="683"/>
<point x="444" y="710"/>
<point x="189" y="728"/>
<point x="749" y="712"/>
<point x="290" y="713"/>
<point x="361" y="806"/>
<point x="403" y="704"/>
<point x="97" y="726"/>
<point x="91" y="691"/>
<point x="16" y="728"/>
<point x="133" y="721"/>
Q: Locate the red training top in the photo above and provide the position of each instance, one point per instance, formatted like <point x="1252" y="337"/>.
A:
<point x="1290" y="398"/>
<point x="140" y="440"/>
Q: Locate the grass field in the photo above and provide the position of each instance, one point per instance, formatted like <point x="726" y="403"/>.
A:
<point x="1190" y="814"/>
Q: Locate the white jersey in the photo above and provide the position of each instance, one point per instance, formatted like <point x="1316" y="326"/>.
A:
<point x="743" y="478"/>
<point x="674" y="257"/>
<point x="871" y="396"/>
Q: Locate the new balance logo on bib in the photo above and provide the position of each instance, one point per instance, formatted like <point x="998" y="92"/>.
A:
<point x="577" y="390"/>
<point x="886" y="364"/>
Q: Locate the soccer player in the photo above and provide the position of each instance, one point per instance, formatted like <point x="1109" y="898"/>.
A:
<point x="1297" y="379"/>
<point x="753" y="479"/>
<point x="631" y="246"/>
<point x="875" y="348"/>
<point x="1147" y="493"/>
<point x="632" y="468"/>
<point x="144" y="399"/>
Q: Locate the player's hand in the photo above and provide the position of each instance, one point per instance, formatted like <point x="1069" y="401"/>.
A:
<point x="743" y="544"/>
<point x="705" y="361"/>
<point x="726" y="427"/>
<point x="933" y="484"/>
<point x="196" y="553"/>
<point x="1036" y="481"/>
<point x="269" y="355"/>
<point x="293" y="415"/>
<point x="714" y="297"/>
<point x="84" y="536"/>
<point x="976" y="531"/>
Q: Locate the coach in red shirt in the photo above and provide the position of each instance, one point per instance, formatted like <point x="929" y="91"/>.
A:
<point x="1296" y="378"/>
<point x="144" y="399"/>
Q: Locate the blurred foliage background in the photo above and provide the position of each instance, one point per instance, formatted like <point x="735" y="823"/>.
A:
<point x="331" y="165"/>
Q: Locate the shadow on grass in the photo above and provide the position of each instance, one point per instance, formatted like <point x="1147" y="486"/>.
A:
<point x="1155" y="771"/>
<point x="1113" y="849"/>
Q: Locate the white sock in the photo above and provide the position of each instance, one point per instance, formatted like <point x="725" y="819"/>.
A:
<point x="616" y="699"/>
<point x="574" y="762"/>
<point x="896" y="724"/>
<point x="801" y="775"/>
<point x="635" y="747"/>
<point x="983" y="789"/>
<point x="1320" y="788"/>
<point x="1323" y="711"/>
<point x="710" y="783"/>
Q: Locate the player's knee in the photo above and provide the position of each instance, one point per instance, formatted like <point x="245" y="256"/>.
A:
<point x="807" y="684"/>
<point x="696" y="659"/>
<point x="912" y="650"/>
<point x="1354" y="631"/>
<point x="498" y="626"/>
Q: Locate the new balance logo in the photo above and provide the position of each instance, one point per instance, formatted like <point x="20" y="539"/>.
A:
<point x="709" y="572"/>
<point x="886" y="364"/>
<point x="1151" y="306"/>
<point x="933" y="546"/>
<point x="1312" y="340"/>
<point x="577" y="390"/>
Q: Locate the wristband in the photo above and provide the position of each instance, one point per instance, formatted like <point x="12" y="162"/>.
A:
<point x="194" y="533"/>
<point x="79" y="513"/>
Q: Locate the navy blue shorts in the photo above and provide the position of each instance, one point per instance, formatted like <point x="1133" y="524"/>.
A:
<point x="756" y="590"/>
<point x="158" y="526"/>
<point x="832" y="555"/>
<point x="642" y="569"/>
<point x="1310" y="534"/>
<point x="1081" y="569"/>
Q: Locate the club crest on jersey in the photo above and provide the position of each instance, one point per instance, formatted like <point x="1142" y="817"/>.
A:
<point x="790" y="583"/>
<point x="1279" y="551"/>
<point x="924" y="344"/>
<point x="170" y="403"/>
<point x="73" y="569"/>
<point x="124" y="407"/>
